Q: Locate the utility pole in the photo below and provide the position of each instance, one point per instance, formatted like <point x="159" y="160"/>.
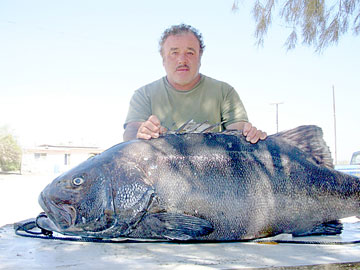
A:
<point x="333" y="90"/>
<point x="277" y="114"/>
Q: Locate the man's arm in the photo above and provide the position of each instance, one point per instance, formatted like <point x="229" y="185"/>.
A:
<point x="251" y="133"/>
<point x="131" y="131"/>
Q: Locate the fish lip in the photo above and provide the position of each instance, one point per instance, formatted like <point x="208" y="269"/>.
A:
<point x="62" y="215"/>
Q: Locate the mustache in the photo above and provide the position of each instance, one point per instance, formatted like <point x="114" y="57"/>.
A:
<point x="182" y="66"/>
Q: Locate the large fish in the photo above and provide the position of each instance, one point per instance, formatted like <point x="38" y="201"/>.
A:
<point x="203" y="186"/>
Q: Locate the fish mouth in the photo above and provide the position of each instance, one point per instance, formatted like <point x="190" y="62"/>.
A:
<point x="62" y="216"/>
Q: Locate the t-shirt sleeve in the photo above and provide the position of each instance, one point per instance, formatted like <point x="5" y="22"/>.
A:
<point x="233" y="109"/>
<point x="139" y="108"/>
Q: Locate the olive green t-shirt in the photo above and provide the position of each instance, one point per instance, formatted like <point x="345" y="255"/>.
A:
<point x="210" y="100"/>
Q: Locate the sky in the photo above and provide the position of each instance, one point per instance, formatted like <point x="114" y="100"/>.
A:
<point x="69" y="68"/>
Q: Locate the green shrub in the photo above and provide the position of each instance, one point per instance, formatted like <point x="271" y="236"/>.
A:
<point x="10" y="152"/>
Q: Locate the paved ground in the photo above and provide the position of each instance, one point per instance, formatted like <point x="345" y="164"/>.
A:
<point x="19" y="195"/>
<point x="18" y="200"/>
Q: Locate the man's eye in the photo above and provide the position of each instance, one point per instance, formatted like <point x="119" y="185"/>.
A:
<point x="190" y="53"/>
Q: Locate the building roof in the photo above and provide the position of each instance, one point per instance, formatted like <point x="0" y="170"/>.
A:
<point x="63" y="149"/>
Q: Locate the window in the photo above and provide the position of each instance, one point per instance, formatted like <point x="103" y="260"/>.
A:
<point x="39" y="156"/>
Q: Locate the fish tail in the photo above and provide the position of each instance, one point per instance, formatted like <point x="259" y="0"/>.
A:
<point x="309" y="138"/>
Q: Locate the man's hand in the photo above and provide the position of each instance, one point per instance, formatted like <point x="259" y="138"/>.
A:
<point x="151" y="128"/>
<point x="251" y="133"/>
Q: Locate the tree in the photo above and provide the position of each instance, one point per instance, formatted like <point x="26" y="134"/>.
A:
<point x="320" y="23"/>
<point x="10" y="151"/>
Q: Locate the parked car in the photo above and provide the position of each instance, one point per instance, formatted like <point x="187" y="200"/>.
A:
<point x="353" y="168"/>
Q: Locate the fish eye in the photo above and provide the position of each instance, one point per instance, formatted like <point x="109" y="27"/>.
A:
<point x="77" y="181"/>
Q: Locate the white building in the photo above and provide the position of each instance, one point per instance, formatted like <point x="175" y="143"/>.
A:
<point x="55" y="159"/>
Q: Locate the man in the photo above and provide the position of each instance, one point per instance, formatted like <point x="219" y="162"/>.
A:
<point x="185" y="94"/>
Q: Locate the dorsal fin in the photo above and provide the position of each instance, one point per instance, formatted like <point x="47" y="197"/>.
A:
<point x="208" y="129"/>
<point x="198" y="126"/>
<point x="309" y="138"/>
<point x="192" y="127"/>
<point x="184" y="127"/>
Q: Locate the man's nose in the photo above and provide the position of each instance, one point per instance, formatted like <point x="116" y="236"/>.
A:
<point x="182" y="59"/>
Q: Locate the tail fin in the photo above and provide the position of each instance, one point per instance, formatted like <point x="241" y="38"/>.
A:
<point x="310" y="139"/>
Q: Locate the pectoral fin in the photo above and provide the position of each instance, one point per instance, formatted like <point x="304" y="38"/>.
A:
<point x="328" y="228"/>
<point x="175" y="226"/>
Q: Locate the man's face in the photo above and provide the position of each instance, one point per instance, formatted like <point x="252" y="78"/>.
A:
<point x="181" y="59"/>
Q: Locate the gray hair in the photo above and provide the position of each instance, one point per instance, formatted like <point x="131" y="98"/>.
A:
<point x="180" y="29"/>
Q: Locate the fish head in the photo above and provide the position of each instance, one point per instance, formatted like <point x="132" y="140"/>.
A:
<point x="79" y="202"/>
<point x="104" y="196"/>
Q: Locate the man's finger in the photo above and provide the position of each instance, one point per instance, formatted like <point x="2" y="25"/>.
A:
<point x="256" y="137"/>
<point x="251" y="134"/>
<point x="149" y="126"/>
<point x="144" y="136"/>
<point x="246" y="129"/>
<point x="154" y="120"/>
<point x="263" y="135"/>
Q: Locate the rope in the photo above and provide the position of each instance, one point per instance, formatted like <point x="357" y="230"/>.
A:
<point x="32" y="229"/>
